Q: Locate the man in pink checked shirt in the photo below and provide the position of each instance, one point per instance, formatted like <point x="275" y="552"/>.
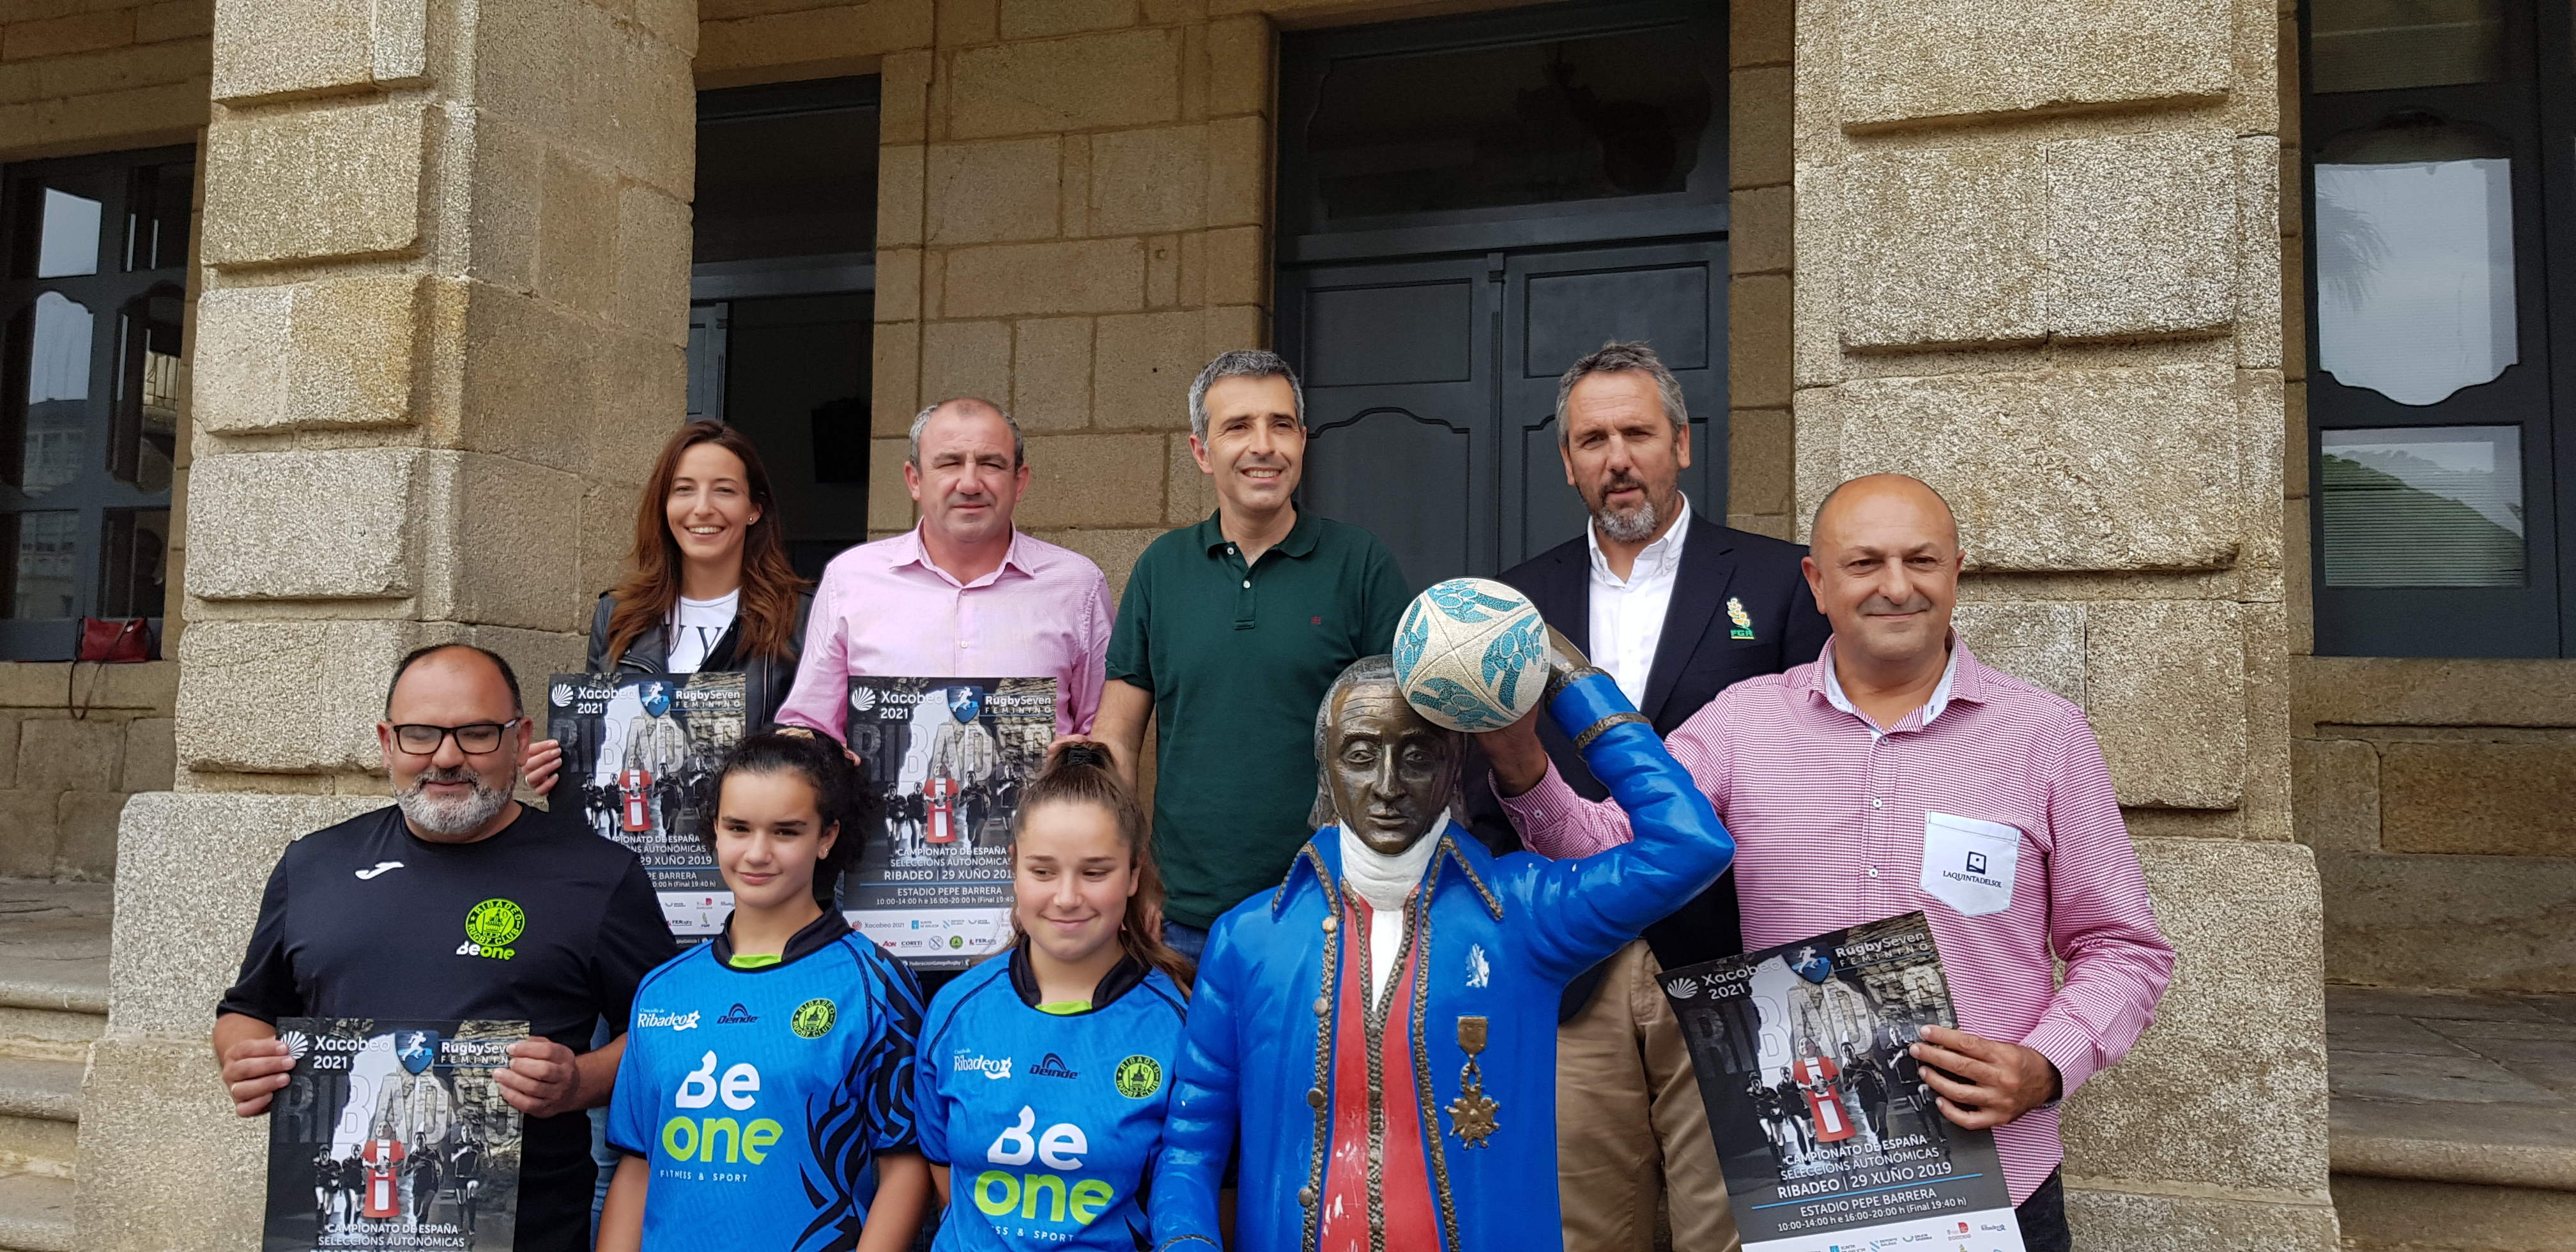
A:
<point x="1897" y="773"/>
<point x="963" y="594"/>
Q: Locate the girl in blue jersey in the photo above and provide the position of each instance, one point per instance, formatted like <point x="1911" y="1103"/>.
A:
<point x="1043" y="1073"/>
<point x="765" y="1098"/>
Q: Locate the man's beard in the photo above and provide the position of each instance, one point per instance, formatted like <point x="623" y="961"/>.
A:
<point x="1629" y="527"/>
<point x="450" y="818"/>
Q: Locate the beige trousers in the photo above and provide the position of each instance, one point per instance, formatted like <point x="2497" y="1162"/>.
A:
<point x="1630" y="1127"/>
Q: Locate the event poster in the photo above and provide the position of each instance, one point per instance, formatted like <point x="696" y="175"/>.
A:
<point x="639" y="756"/>
<point x="1829" y="1140"/>
<point x="391" y="1136"/>
<point x="946" y="758"/>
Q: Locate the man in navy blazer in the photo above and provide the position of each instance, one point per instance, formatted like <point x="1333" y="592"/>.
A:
<point x="1676" y="608"/>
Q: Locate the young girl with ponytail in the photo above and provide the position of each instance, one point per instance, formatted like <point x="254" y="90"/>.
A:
<point x="1043" y="1072"/>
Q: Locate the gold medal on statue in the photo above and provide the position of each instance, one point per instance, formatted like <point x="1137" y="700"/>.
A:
<point x="1471" y="1115"/>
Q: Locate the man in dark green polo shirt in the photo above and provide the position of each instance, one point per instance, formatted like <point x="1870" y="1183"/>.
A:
<point x="1230" y="633"/>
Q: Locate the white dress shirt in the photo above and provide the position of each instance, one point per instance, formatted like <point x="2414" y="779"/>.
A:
<point x="1628" y="617"/>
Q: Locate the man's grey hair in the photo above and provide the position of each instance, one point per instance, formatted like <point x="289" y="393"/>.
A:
<point x="1614" y="357"/>
<point x="1240" y="363"/>
<point x="1364" y="672"/>
<point x="1019" y="442"/>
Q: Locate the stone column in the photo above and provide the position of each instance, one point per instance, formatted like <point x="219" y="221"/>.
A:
<point x="2038" y="266"/>
<point x="444" y="255"/>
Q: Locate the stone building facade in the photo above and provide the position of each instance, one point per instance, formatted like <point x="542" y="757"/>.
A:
<point x="2046" y="257"/>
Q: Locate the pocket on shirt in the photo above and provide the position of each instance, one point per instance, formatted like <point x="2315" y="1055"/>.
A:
<point x="1968" y="863"/>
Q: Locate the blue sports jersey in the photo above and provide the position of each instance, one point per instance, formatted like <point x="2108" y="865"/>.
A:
<point x="762" y="1098"/>
<point x="1049" y="1124"/>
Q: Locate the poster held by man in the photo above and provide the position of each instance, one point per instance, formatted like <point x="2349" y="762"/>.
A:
<point x="392" y="1136"/>
<point x="638" y="749"/>
<point x="1825" y="1129"/>
<point x="946" y="758"/>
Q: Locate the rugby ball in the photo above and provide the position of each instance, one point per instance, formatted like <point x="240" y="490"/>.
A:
<point x="1471" y="654"/>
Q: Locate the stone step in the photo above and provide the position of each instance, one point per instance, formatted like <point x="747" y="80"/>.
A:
<point x="2416" y="1215"/>
<point x="53" y="1006"/>
<point x="39" y="1115"/>
<point x="2453" y="1119"/>
<point x="2491" y="1145"/>
<point x="35" y="1213"/>
<point x="53" y="967"/>
<point x="49" y="1017"/>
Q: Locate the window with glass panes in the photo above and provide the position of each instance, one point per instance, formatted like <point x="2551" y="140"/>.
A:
<point x="2441" y="234"/>
<point x="93" y="274"/>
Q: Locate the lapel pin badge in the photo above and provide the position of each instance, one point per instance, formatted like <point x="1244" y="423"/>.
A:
<point x="1743" y="621"/>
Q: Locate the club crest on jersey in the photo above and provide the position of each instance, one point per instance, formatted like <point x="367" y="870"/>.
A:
<point x="1139" y="1076"/>
<point x="813" y="1019"/>
<point x="1052" y="1066"/>
<point x="489" y="928"/>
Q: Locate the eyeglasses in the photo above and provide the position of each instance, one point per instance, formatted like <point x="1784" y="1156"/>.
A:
<point x="424" y="740"/>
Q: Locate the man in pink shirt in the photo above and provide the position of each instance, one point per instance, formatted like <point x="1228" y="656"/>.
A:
<point x="963" y="594"/>
<point x="1894" y="774"/>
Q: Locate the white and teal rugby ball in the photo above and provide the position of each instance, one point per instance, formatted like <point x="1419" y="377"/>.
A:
<point x="1471" y="654"/>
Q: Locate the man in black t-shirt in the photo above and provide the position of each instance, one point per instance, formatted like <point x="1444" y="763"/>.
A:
<point x="458" y="903"/>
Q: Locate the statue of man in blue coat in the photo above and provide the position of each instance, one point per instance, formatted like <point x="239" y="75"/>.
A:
<point x="1378" y="1035"/>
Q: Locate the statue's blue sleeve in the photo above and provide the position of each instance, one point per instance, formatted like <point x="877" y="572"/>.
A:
<point x="1199" y="1124"/>
<point x="1586" y="908"/>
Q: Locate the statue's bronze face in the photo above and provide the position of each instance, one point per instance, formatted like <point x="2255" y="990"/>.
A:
<point x="1391" y="771"/>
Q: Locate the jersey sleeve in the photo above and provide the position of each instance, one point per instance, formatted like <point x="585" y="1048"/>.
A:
<point x="632" y="940"/>
<point x="631" y="1103"/>
<point x="266" y="987"/>
<point x="885" y="1077"/>
<point x="929" y="1106"/>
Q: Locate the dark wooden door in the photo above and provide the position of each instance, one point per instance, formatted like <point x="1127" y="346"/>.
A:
<point x="1431" y="388"/>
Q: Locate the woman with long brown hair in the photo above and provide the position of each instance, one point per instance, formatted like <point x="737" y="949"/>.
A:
<point x="1054" y="1058"/>
<point x="710" y="590"/>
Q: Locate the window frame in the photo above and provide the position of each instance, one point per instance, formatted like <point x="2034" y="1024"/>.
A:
<point x="106" y="295"/>
<point x="1307" y="60"/>
<point x="2436" y="621"/>
<point x="722" y="293"/>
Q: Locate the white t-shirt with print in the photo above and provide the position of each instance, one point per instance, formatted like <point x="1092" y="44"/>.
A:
<point x="696" y="628"/>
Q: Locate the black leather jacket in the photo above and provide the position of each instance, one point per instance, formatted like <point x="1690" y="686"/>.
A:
<point x="765" y="679"/>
